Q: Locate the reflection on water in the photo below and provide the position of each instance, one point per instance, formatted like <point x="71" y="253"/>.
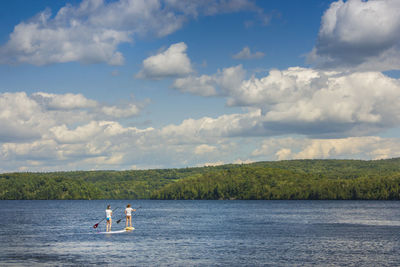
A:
<point x="187" y="233"/>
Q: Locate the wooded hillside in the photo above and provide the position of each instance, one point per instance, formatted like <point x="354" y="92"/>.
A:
<point x="295" y="179"/>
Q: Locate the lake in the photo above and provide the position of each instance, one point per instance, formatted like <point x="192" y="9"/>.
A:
<point x="202" y="233"/>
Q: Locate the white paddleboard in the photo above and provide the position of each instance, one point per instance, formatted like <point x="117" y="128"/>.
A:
<point x="113" y="232"/>
<point x="127" y="229"/>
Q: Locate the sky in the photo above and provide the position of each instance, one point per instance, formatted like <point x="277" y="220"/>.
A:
<point x="142" y="84"/>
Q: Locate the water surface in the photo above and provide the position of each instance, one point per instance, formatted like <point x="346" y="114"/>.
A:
<point x="202" y="233"/>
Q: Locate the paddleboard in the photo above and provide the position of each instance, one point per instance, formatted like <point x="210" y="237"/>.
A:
<point x="129" y="228"/>
<point x="113" y="232"/>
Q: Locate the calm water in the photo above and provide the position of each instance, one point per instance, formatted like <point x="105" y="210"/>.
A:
<point x="202" y="233"/>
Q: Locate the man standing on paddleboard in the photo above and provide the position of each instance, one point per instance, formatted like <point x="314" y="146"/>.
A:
<point x="128" y="213"/>
<point x="108" y="218"/>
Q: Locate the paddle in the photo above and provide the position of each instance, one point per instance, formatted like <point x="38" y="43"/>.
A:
<point x="97" y="224"/>
<point x="123" y="217"/>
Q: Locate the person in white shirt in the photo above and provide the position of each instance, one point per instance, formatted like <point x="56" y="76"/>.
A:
<point x="128" y="213"/>
<point x="108" y="218"/>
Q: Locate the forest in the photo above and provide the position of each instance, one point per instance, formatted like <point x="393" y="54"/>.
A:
<point x="271" y="180"/>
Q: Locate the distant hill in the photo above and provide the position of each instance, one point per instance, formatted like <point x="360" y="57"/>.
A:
<point x="293" y="179"/>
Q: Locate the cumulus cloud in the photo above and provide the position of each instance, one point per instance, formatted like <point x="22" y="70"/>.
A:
<point x="65" y="38"/>
<point x="313" y="102"/>
<point x="81" y="134"/>
<point x="305" y="101"/>
<point x="71" y="102"/>
<point x="92" y="31"/>
<point x="204" y="149"/>
<point x="366" y="147"/>
<point x="39" y="134"/>
<point x="26" y="117"/>
<point x="363" y="35"/>
<point x="118" y="112"/>
<point x="211" y="85"/>
<point x="63" y="102"/>
<point x="204" y="85"/>
<point x="21" y="118"/>
<point x="169" y="63"/>
<point x="35" y="151"/>
<point x="246" y="54"/>
<point x="208" y="129"/>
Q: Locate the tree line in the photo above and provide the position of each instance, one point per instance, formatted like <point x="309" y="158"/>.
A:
<point x="137" y="184"/>
<point x="275" y="184"/>
<point x="295" y="179"/>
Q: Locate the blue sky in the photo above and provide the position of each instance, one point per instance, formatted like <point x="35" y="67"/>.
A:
<point x="126" y="84"/>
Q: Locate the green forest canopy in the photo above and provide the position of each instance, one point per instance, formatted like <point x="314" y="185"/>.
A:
<point x="294" y="179"/>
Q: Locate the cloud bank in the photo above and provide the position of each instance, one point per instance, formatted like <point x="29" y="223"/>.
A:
<point x="37" y="134"/>
<point x="74" y="139"/>
<point x="367" y="147"/>
<point x="307" y="101"/>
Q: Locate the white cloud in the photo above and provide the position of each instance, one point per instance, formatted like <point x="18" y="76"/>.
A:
<point x="24" y="117"/>
<point x="312" y="102"/>
<point x="304" y="101"/>
<point x="246" y="54"/>
<point x="46" y="132"/>
<point x="63" y="102"/>
<point x="113" y="159"/>
<point x="21" y="118"/>
<point x="204" y="85"/>
<point x="81" y="134"/>
<point x="212" y="164"/>
<point x="283" y="154"/>
<point x="92" y="131"/>
<point x="117" y="112"/>
<point x="92" y="31"/>
<point x="366" y="147"/>
<point x="239" y="161"/>
<point x="211" y="85"/>
<point x="210" y="129"/>
<point x="364" y="35"/>
<point x="36" y="150"/>
<point x="169" y="63"/>
<point x="204" y="149"/>
<point x="45" y="41"/>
